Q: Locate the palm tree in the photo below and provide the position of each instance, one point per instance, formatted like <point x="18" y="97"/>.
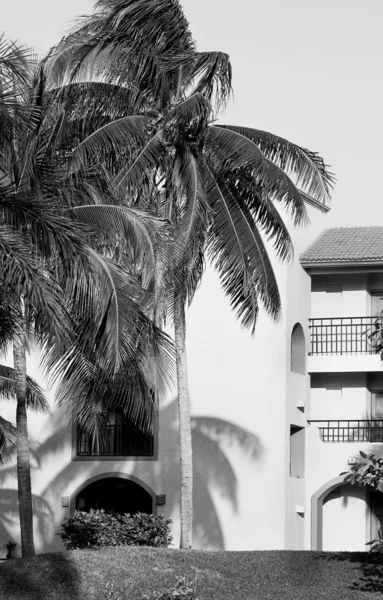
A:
<point x="79" y="306"/>
<point x="218" y="185"/>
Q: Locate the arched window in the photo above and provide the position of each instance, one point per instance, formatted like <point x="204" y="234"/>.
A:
<point x="115" y="495"/>
<point x="298" y="350"/>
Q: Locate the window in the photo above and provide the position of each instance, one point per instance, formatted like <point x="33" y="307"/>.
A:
<point x="297" y="451"/>
<point x="119" y="437"/>
<point x="377" y="405"/>
<point x="298" y="350"/>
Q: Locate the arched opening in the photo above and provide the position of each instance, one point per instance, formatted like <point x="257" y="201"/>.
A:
<point x="344" y="517"/>
<point x="298" y="350"/>
<point x="115" y="495"/>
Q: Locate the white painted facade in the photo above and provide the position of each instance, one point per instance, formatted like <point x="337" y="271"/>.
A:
<point x="263" y="477"/>
<point x="340" y="394"/>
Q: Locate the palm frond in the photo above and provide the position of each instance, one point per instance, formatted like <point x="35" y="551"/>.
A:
<point x="234" y="151"/>
<point x="192" y="222"/>
<point x="116" y="134"/>
<point x="36" y="399"/>
<point x="310" y="172"/>
<point x="264" y="213"/>
<point x="239" y="255"/>
<point x="127" y="41"/>
<point x="8" y="436"/>
<point x="194" y="108"/>
<point x="213" y="72"/>
<point x="16" y="61"/>
<point x="146" y="235"/>
<point x="152" y="156"/>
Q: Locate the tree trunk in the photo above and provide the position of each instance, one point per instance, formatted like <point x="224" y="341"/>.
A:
<point x="184" y="422"/>
<point x="23" y="461"/>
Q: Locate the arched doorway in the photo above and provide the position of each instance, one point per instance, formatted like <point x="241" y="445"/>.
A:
<point x="345" y="516"/>
<point x="116" y="495"/>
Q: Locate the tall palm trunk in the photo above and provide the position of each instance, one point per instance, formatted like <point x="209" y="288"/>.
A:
<point x="23" y="461"/>
<point x="184" y="422"/>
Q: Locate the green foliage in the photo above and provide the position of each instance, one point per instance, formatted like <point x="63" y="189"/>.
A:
<point x="183" y="590"/>
<point x="98" y="528"/>
<point x="377" y="544"/>
<point x="367" y="472"/>
<point x="375" y="336"/>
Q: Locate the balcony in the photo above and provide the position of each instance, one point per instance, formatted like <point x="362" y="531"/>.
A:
<point x="345" y="335"/>
<point x="350" y="431"/>
<point x="116" y="440"/>
<point x="355" y="341"/>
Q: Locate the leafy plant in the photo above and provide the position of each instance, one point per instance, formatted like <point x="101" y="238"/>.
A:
<point x="377" y="544"/>
<point x="98" y="528"/>
<point x="375" y="335"/>
<point x="367" y="472"/>
<point x="183" y="590"/>
<point x="10" y="548"/>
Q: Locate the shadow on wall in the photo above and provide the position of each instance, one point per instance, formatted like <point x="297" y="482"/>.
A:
<point x="45" y="527"/>
<point x="212" y="470"/>
<point x="213" y="476"/>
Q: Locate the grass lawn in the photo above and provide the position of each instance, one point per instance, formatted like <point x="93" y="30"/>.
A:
<point x="271" y="575"/>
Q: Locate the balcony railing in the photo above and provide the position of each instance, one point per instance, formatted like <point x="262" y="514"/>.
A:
<point x="346" y="335"/>
<point x="116" y="440"/>
<point x="350" y="431"/>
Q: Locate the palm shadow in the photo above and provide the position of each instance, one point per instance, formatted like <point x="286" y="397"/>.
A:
<point x="44" y="516"/>
<point x="369" y="572"/>
<point x="213" y="473"/>
<point x="9" y="515"/>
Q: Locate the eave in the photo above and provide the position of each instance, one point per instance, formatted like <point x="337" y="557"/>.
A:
<point x="322" y="268"/>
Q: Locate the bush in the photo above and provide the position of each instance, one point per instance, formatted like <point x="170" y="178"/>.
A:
<point x="98" y="528"/>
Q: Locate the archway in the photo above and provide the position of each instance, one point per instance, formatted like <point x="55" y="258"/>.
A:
<point x="115" y="494"/>
<point x="340" y="517"/>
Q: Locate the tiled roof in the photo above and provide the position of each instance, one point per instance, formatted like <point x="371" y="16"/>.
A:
<point x="345" y="245"/>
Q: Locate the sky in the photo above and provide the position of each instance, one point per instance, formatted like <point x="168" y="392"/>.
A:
<point x="309" y="71"/>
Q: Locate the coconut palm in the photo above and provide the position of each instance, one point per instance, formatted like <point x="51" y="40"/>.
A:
<point x="56" y="286"/>
<point x="218" y="185"/>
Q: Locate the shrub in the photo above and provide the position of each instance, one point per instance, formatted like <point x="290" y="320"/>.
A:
<point x="142" y="529"/>
<point x="98" y="528"/>
<point x="183" y="590"/>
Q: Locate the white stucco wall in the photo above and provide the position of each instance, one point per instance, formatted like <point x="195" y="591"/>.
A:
<point x="351" y="302"/>
<point x="344" y="521"/>
<point x="237" y="404"/>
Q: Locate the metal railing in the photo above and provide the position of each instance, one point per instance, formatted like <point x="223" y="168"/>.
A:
<point x="350" y="431"/>
<point x="116" y="440"/>
<point x="346" y="335"/>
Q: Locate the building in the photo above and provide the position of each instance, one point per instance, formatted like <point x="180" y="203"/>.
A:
<point x="344" y="410"/>
<point x="276" y="418"/>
